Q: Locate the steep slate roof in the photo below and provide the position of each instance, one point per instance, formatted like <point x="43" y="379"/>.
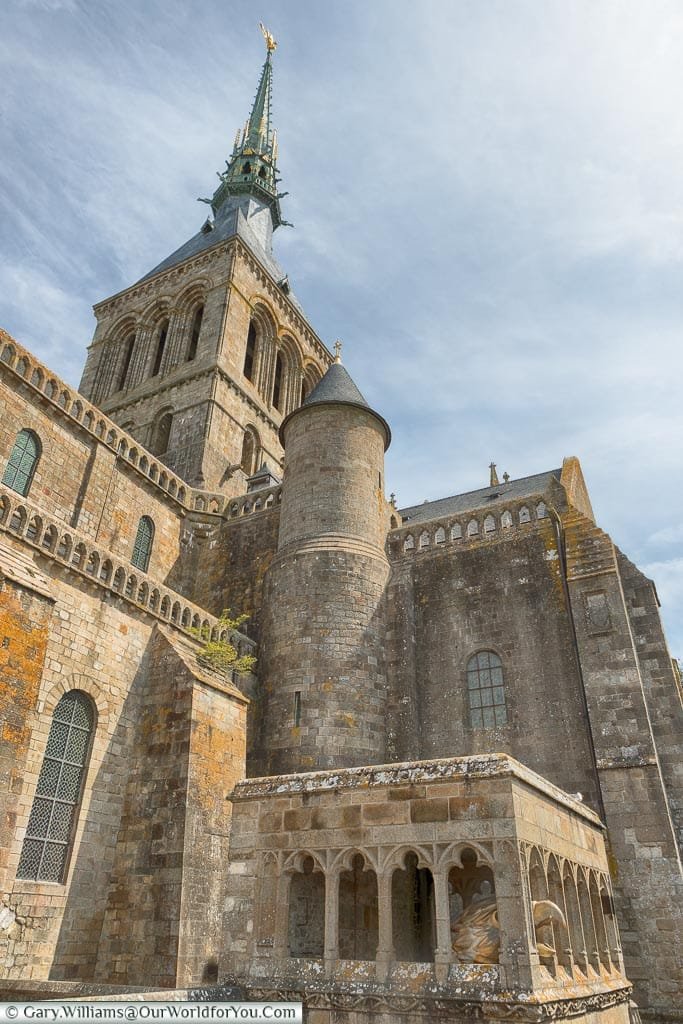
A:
<point x="459" y="503"/>
<point x="229" y="223"/>
<point x="336" y="386"/>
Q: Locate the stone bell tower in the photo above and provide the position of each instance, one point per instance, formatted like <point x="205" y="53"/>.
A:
<point x="322" y="653"/>
<point x="203" y="358"/>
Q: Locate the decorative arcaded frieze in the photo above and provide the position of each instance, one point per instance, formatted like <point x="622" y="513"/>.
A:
<point x="73" y="551"/>
<point x="470" y="527"/>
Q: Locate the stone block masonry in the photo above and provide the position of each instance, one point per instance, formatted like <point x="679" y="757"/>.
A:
<point x="324" y="867"/>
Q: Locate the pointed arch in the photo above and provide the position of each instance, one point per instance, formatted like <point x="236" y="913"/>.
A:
<point x="23" y="462"/>
<point x="52" y="822"/>
<point x="142" y="548"/>
<point x="251" y="450"/>
<point x="161" y="432"/>
<point x="311" y="375"/>
<point x="161" y="337"/>
<point x="197" y="318"/>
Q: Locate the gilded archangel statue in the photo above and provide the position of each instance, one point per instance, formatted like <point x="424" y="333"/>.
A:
<point x="269" y="38"/>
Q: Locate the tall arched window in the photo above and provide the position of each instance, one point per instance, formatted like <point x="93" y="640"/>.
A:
<point x="485" y="691"/>
<point x="250" y="354"/>
<point x="194" y="334"/>
<point x="22" y="462"/>
<point x="129" y="345"/>
<point x="142" y="549"/>
<point x="161" y="345"/>
<point x="277" y="384"/>
<point x="162" y="434"/>
<point x="51" y="826"/>
<point x="250" y="451"/>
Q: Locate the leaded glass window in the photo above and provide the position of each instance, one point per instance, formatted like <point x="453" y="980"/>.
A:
<point x="486" y="691"/>
<point x="22" y="462"/>
<point x="142" y="548"/>
<point x="45" y="853"/>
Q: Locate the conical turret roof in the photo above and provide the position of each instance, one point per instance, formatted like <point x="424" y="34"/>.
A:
<point x="336" y="388"/>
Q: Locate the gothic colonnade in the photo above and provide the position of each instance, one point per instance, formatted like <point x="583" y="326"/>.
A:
<point x="401" y="905"/>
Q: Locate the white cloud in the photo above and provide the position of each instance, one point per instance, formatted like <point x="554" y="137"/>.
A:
<point x="487" y="204"/>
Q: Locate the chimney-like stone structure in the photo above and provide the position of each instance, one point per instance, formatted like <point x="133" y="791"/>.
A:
<point x="322" y="654"/>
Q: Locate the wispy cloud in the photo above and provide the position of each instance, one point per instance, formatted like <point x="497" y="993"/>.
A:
<point x="487" y="204"/>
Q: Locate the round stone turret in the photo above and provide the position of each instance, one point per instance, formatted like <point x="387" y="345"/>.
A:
<point x="323" y="636"/>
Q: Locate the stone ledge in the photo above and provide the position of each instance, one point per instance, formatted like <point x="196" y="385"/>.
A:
<point x="480" y="766"/>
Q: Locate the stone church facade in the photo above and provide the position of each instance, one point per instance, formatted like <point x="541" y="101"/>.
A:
<point x="452" y="788"/>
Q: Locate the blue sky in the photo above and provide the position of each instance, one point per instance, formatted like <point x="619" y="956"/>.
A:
<point x="488" y="207"/>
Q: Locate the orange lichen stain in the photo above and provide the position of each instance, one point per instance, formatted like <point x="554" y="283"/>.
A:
<point x="349" y="720"/>
<point x="327" y="686"/>
<point x="123" y="628"/>
<point x="15" y="736"/>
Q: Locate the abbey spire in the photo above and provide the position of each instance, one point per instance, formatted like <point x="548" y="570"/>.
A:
<point x="252" y="167"/>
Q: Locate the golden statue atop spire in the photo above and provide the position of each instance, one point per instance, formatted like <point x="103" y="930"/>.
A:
<point x="268" y="36"/>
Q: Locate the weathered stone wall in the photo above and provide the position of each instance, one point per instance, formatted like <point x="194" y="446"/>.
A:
<point x="95" y="646"/>
<point x="187" y="752"/>
<point x="502" y="592"/>
<point x="25" y="612"/>
<point x="225" y="562"/>
<point x="649" y="883"/>
<point x="101" y="644"/>
<point x="81" y="480"/>
<point x="660" y="689"/>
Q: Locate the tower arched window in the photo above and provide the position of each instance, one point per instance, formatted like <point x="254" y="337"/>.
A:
<point x="52" y="823"/>
<point x="485" y="691"/>
<point x="250" y="353"/>
<point x="277" y="384"/>
<point x="142" y="548"/>
<point x="161" y="345"/>
<point x="22" y="462"/>
<point x="250" y="451"/>
<point x="194" y="334"/>
<point x="162" y="433"/>
<point x="129" y="345"/>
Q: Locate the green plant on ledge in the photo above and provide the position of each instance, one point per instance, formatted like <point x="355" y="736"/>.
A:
<point x="221" y="655"/>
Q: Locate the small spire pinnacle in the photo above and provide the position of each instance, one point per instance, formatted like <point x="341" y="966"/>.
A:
<point x="494" y="476"/>
<point x="337" y="351"/>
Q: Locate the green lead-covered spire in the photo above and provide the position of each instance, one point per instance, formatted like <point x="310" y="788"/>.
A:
<point x="252" y="167"/>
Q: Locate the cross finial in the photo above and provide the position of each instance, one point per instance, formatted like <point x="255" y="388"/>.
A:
<point x="337" y="351"/>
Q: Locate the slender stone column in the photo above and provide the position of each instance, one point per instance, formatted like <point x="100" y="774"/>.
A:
<point x="443" y="955"/>
<point x="281" y="943"/>
<point x="331" y="921"/>
<point x="385" y="944"/>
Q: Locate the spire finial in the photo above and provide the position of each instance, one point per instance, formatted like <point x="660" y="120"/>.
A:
<point x="252" y="168"/>
<point x="494" y="476"/>
<point x="271" y="45"/>
<point x="337" y="351"/>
